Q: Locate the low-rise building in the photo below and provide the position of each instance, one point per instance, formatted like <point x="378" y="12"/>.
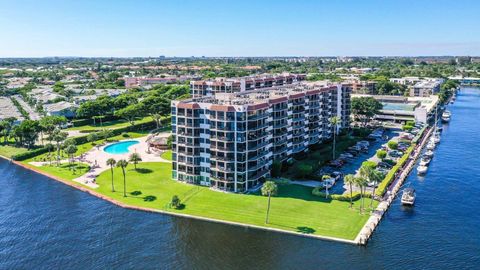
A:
<point x="426" y="88"/>
<point x="400" y="109"/>
<point x="61" y="108"/>
<point x="229" y="140"/>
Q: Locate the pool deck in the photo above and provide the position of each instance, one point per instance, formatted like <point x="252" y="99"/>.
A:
<point x="97" y="159"/>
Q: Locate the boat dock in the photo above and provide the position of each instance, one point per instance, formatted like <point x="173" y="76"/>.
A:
<point x="392" y="191"/>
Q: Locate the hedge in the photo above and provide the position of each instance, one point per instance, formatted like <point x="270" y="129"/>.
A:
<point x="382" y="187"/>
<point x="339" y="197"/>
<point x="30" y="154"/>
<point x="88" y="121"/>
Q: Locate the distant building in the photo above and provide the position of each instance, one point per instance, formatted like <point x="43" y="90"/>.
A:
<point x="426" y="88"/>
<point x="61" y="108"/>
<point x="242" y="84"/>
<point x="131" y="82"/>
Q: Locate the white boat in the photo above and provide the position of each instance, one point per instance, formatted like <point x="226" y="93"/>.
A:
<point x="424" y="161"/>
<point x="422" y="169"/>
<point x="408" y="196"/>
<point x="446" y="115"/>
<point x="428" y="154"/>
<point x="436" y="139"/>
<point x="430" y="146"/>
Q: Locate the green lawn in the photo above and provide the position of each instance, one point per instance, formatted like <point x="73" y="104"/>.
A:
<point x="9" y="150"/>
<point x="83" y="148"/>
<point x="114" y="124"/>
<point x="65" y="170"/>
<point x="167" y="155"/>
<point x="294" y="209"/>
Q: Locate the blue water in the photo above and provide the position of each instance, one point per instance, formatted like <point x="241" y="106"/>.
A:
<point x="120" y="147"/>
<point x="47" y="225"/>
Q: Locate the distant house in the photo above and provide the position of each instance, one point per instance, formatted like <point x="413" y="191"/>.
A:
<point x="61" y="108"/>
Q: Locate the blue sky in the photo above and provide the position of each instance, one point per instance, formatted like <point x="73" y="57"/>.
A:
<point x="31" y="28"/>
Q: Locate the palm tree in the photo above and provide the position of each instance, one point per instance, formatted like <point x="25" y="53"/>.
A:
<point x="349" y="179"/>
<point x="135" y="158"/>
<point x="71" y="150"/>
<point x="111" y="162"/>
<point x="334" y="121"/>
<point x="122" y="163"/>
<point x="269" y="189"/>
<point x="361" y="183"/>
<point x="58" y="136"/>
<point x="376" y="177"/>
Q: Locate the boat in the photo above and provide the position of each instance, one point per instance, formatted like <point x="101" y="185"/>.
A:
<point x="436" y="139"/>
<point x="408" y="196"/>
<point x="428" y="154"/>
<point x="422" y="169"/>
<point x="424" y="161"/>
<point x="446" y="115"/>
<point x="430" y="146"/>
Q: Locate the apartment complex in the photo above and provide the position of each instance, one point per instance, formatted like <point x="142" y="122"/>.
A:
<point x="234" y="85"/>
<point x="229" y="140"/>
<point x="426" y="88"/>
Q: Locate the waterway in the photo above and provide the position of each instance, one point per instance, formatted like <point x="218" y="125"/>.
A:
<point x="45" y="224"/>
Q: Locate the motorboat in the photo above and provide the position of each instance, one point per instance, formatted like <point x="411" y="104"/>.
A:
<point x="408" y="196"/>
<point x="430" y="146"/>
<point x="428" y="154"/>
<point x="425" y="161"/>
<point x="446" y="115"/>
<point x="422" y="169"/>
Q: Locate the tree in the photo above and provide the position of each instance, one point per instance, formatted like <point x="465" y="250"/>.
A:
<point x="111" y="162"/>
<point x="176" y="203"/>
<point x="58" y="137"/>
<point x="362" y="184"/>
<point x="71" y="150"/>
<point x="49" y="147"/>
<point x="26" y="133"/>
<point x="130" y="113"/>
<point x="334" y="121"/>
<point x="122" y="163"/>
<point x="365" y="108"/>
<point x="92" y="137"/>
<point x="375" y="177"/>
<point x="49" y="123"/>
<point x="276" y="168"/>
<point x="157" y="107"/>
<point x="135" y="158"/>
<point x="269" y="189"/>
<point x="392" y="145"/>
<point x="349" y="179"/>
<point x="381" y="154"/>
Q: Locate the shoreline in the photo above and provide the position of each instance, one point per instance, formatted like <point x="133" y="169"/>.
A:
<point x="145" y="209"/>
<point x="362" y="237"/>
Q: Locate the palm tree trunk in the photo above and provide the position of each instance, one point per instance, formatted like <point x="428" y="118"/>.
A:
<point x="351" y="199"/>
<point x="373" y="195"/>
<point x="111" y="169"/>
<point x="268" y="209"/>
<point x="334" y="142"/>
<point x="124" y="183"/>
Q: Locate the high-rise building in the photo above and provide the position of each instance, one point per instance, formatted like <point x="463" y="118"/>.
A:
<point x="229" y="140"/>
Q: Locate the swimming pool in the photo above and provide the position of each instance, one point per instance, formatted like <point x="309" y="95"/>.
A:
<point x="120" y="147"/>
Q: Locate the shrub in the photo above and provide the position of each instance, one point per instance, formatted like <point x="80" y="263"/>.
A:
<point x="407" y="128"/>
<point x="339" y="197"/>
<point x="381" y="154"/>
<point x="276" y="168"/>
<point x="125" y="135"/>
<point x="369" y="163"/>
<point x="392" y="145"/>
<point x="175" y="203"/>
<point x="302" y="170"/>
